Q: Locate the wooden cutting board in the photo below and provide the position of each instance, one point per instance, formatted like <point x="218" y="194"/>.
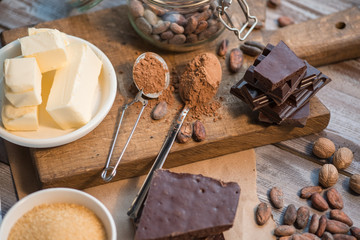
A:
<point x="79" y="164"/>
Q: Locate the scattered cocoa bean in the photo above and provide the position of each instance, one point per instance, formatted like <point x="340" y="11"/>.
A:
<point x="339" y="215"/>
<point x="185" y="133"/>
<point x="277" y="197"/>
<point x="322" y="226"/>
<point x="302" y="218"/>
<point x="199" y="133"/>
<point x="318" y="202"/>
<point x="310" y="236"/>
<point x="306" y="192"/>
<point x="273" y="3"/>
<point x="263" y="213"/>
<point x="255" y="44"/>
<point x="284" y="230"/>
<point x="285" y="238"/>
<point x="235" y="60"/>
<point x="136" y="8"/>
<point x="334" y="199"/>
<point x="314" y="223"/>
<point x="201" y="27"/>
<point x="259" y="25"/>
<point x="143" y="25"/>
<point x="299" y="237"/>
<point x="191" y="25"/>
<point x="176" y="28"/>
<point x="355" y="231"/>
<point x="327" y="236"/>
<point x="290" y="215"/>
<point x="285" y="21"/>
<point x="160" y="27"/>
<point x="223" y="47"/>
<point x="334" y="226"/>
<point x="343" y="237"/>
<point x="355" y="183"/>
<point x="178" y="39"/>
<point x="250" y="50"/>
<point x="159" y="111"/>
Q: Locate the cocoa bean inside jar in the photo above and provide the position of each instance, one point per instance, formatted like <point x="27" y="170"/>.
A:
<point x="176" y="25"/>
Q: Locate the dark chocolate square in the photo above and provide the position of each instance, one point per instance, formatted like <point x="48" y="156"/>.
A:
<point x="187" y="206"/>
<point x="279" y="66"/>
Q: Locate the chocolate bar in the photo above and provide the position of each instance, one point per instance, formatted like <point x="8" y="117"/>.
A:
<point x="187" y="206"/>
<point x="280" y="66"/>
<point x="214" y="237"/>
<point x="278" y="113"/>
<point x="298" y="119"/>
<point x="256" y="99"/>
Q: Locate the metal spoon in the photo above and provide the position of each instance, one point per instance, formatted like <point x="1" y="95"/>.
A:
<point x="138" y="98"/>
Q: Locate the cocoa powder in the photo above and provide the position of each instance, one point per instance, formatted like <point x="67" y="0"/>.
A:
<point x="149" y="74"/>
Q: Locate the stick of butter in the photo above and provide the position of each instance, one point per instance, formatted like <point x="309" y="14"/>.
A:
<point x="22" y="81"/>
<point x="33" y="31"/>
<point x="71" y="96"/>
<point x="48" y="47"/>
<point x="19" y="119"/>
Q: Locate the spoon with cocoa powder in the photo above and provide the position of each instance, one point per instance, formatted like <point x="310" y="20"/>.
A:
<point x="198" y="85"/>
<point x="151" y="76"/>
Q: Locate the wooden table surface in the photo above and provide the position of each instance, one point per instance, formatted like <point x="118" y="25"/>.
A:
<point x="288" y="165"/>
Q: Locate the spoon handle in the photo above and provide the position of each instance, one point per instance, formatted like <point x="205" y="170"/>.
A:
<point x="133" y="211"/>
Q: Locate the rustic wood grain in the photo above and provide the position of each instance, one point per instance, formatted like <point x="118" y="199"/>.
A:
<point x="276" y="167"/>
<point x="7" y="189"/>
<point x="79" y="164"/>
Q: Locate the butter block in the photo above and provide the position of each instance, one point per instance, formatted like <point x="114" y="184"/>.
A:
<point x="48" y="47"/>
<point x="71" y="97"/>
<point x="22" y="81"/>
<point x="33" y="31"/>
<point x="19" y="119"/>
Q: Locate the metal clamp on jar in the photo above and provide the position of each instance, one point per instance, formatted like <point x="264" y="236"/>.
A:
<point x="186" y="24"/>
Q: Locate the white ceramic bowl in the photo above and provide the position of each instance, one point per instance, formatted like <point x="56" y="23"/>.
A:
<point x="56" y="195"/>
<point x="49" y="134"/>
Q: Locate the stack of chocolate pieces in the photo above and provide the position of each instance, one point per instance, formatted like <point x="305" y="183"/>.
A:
<point x="187" y="206"/>
<point x="280" y="85"/>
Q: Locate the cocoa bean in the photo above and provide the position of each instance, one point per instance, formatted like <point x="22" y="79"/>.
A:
<point x="355" y="231"/>
<point x="143" y="25"/>
<point x="223" y="47"/>
<point x="178" y="39"/>
<point x="255" y="44"/>
<point x="191" y="38"/>
<point x="160" y="27"/>
<point x="259" y="25"/>
<point x="322" y="226"/>
<point x="334" y="199"/>
<point x="302" y="217"/>
<point x="201" y="27"/>
<point x="306" y="192"/>
<point x="150" y="17"/>
<point x="236" y="59"/>
<point x="175" y="17"/>
<point x="273" y="3"/>
<point x="250" y="50"/>
<point x="327" y="236"/>
<point x="176" y="28"/>
<point x="290" y="215"/>
<point x="334" y="226"/>
<point x="286" y="238"/>
<point x="263" y="213"/>
<point x="277" y="197"/>
<point x="199" y="133"/>
<point x="339" y="215"/>
<point x="343" y="237"/>
<point x="285" y="21"/>
<point x="318" y="202"/>
<point x="299" y="237"/>
<point x="136" y="8"/>
<point x="167" y="35"/>
<point x="191" y="25"/>
<point x="284" y="230"/>
<point x="159" y="111"/>
<point x="203" y="16"/>
<point x="185" y="133"/>
<point x="310" y="236"/>
<point x="314" y="223"/>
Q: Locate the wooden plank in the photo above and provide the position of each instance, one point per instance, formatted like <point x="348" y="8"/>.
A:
<point x="7" y="189"/>
<point x="3" y="153"/>
<point x="276" y="167"/>
<point x="79" y="164"/>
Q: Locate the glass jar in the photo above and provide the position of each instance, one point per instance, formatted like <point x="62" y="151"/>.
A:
<point x="176" y="25"/>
